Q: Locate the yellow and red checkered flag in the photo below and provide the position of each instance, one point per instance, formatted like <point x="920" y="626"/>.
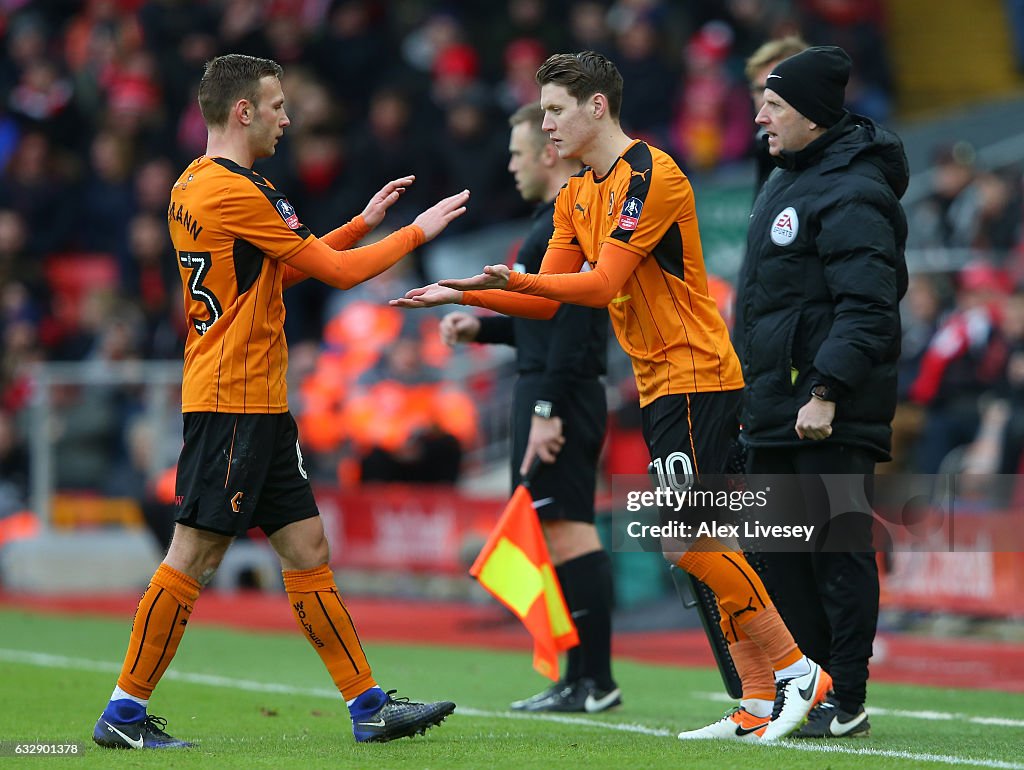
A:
<point x="516" y="568"/>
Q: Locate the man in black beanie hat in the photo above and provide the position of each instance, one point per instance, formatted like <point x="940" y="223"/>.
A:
<point x="814" y="83"/>
<point x="758" y="66"/>
<point x="818" y="335"/>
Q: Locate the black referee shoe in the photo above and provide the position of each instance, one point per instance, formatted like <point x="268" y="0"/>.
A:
<point x="582" y="695"/>
<point x="827" y="720"/>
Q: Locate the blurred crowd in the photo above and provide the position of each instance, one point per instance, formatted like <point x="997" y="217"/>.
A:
<point x="98" y="115"/>
<point x="962" y="366"/>
<point x="962" y="373"/>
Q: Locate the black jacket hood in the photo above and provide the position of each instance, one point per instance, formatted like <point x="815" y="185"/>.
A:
<point x="854" y="136"/>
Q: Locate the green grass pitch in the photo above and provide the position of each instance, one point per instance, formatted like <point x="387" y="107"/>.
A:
<point x="264" y="700"/>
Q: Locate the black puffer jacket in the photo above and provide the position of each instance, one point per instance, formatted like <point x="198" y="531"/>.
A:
<point x="819" y="292"/>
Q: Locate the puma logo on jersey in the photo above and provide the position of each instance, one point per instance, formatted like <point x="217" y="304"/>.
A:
<point x="642" y="174"/>
<point x="581" y="209"/>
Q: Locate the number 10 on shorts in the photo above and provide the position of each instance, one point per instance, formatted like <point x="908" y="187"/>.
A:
<point x="675" y="472"/>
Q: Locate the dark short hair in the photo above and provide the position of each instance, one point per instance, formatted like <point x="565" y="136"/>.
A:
<point x="533" y="115"/>
<point x="583" y="75"/>
<point x="231" y="77"/>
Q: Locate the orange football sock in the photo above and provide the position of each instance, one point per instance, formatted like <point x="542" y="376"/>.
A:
<point x="743" y="597"/>
<point x="769" y="631"/>
<point x="328" y="626"/>
<point x="755" y="670"/>
<point x="159" y="624"/>
<point x="730" y="629"/>
<point x="726" y="572"/>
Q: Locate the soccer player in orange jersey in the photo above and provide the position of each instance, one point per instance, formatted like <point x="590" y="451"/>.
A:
<point x="558" y="415"/>
<point x="629" y="216"/>
<point x="239" y="243"/>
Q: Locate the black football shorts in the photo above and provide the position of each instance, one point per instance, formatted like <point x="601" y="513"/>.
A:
<point x="238" y="471"/>
<point x="691" y="438"/>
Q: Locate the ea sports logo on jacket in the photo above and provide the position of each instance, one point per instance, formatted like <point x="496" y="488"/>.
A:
<point x="785" y="226"/>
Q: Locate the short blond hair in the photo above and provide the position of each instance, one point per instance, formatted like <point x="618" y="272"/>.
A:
<point x="533" y="115"/>
<point x="774" y="51"/>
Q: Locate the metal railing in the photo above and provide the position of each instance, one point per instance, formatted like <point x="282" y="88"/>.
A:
<point x="160" y="399"/>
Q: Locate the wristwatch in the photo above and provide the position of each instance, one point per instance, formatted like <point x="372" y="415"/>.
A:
<point x="543" y="409"/>
<point x="822" y="393"/>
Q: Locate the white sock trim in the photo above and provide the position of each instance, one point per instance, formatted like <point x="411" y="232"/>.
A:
<point x="120" y="694"/>
<point x="758" y="707"/>
<point x="801" y="668"/>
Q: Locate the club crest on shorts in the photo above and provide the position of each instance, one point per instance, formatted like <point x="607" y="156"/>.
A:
<point x="630" y="216"/>
<point x="287" y="212"/>
<point x="785" y="226"/>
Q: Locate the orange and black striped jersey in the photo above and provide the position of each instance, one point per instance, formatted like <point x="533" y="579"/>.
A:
<point x="230" y="230"/>
<point x="640" y="220"/>
<point x="664" y="315"/>
<point x="239" y="243"/>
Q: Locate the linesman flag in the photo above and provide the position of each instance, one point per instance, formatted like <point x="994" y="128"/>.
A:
<point x="516" y="568"/>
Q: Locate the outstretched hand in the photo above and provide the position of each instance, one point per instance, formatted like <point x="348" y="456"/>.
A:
<point x="493" y="277"/>
<point x="435" y="219"/>
<point x="428" y="296"/>
<point x="384" y="199"/>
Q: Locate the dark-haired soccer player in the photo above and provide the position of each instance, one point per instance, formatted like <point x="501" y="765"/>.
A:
<point x="630" y="216"/>
<point x="239" y="244"/>
<point x="558" y="415"/>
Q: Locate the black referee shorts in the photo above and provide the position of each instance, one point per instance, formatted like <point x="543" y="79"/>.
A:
<point x="238" y="471"/>
<point x="565" y="488"/>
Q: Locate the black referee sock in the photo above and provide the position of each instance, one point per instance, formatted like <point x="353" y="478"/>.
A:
<point x="574" y="655"/>
<point x="587" y="584"/>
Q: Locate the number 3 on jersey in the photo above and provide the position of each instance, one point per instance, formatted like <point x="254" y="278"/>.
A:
<point x="199" y="263"/>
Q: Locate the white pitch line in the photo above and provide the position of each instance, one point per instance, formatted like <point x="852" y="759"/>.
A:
<point x="561" y="719"/>
<point x="945" y="759"/>
<point x="930" y="716"/>
<point x="46" y="660"/>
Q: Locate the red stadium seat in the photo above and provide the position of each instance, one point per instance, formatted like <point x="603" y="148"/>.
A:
<point x="71" y="276"/>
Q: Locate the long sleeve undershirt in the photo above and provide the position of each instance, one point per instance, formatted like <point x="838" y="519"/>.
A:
<point x="559" y="281"/>
<point x="329" y="259"/>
